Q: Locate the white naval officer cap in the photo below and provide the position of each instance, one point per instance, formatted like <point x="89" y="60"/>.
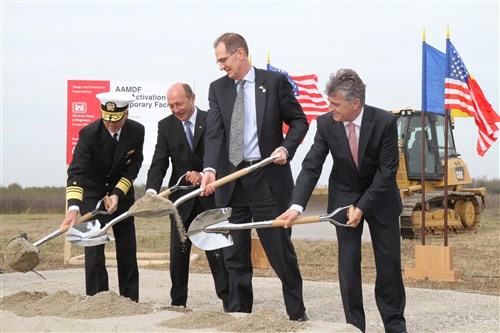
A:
<point x="114" y="105"/>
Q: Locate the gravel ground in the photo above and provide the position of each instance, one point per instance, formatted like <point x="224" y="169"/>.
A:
<point x="426" y="311"/>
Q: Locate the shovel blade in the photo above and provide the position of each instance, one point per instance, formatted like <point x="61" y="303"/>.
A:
<point x="207" y="240"/>
<point x="211" y="241"/>
<point x="83" y="231"/>
<point x="89" y="242"/>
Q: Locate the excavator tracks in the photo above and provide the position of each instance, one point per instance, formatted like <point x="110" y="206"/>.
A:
<point x="464" y="212"/>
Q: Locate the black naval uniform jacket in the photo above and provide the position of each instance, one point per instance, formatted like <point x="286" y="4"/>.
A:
<point x="100" y="166"/>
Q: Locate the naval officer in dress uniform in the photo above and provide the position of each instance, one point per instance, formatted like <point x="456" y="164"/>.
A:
<point x="106" y="160"/>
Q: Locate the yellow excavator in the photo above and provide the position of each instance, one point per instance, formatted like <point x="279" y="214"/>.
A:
<point x="465" y="205"/>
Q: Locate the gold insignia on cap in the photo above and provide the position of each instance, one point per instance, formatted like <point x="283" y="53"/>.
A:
<point x="110" y="106"/>
<point x="112" y="116"/>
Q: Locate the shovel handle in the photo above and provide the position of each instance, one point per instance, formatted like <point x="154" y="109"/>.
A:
<point x="300" y="220"/>
<point x="243" y="172"/>
<point x="165" y="193"/>
<point x="229" y="178"/>
<point x="306" y="219"/>
<point x="82" y="219"/>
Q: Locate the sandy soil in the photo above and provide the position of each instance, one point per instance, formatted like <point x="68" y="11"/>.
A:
<point x="31" y="304"/>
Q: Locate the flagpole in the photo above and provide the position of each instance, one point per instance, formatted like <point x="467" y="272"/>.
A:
<point x="447" y="115"/>
<point x="424" y="103"/>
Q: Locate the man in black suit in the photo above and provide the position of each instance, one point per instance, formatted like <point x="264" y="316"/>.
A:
<point x="268" y="101"/>
<point x="364" y="176"/>
<point x="180" y="139"/>
<point x="106" y="161"/>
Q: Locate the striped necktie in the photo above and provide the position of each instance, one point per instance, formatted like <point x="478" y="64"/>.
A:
<point x="189" y="134"/>
<point x="236" y="131"/>
<point x="353" y="142"/>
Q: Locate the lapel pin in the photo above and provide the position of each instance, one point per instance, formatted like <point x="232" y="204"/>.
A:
<point x="263" y="89"/>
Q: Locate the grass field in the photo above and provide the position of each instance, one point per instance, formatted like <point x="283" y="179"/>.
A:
<point x="476" y="254"/>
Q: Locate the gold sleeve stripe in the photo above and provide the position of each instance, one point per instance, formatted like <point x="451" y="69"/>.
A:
<point x="124" y="184"/>
<point x="74" y="192"/>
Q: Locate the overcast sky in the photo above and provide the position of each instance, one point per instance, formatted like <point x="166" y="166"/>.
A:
<point x="44" y="44"/>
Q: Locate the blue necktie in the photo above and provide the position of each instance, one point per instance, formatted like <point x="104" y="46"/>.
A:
<point x="189" y="134"/>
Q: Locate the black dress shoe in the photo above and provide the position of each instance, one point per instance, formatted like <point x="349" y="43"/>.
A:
<point x="302" y="318"/>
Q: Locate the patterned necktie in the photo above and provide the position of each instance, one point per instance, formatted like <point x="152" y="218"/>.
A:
<point x="353" y="142"/>
<point x="189" y="134"/>
<point x="236" y="131"/>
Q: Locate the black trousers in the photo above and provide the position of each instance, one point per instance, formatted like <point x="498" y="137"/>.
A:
<point x="96" y="275"/>
<point x="389" y="288"/>
<point x="180" y="252"/>
<point x="253" y="200"/>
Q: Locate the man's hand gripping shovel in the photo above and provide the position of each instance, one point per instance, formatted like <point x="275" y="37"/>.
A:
<point x="90" y="236"/>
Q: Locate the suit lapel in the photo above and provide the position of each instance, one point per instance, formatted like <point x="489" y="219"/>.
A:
<point x="201" y="119"/>
<point x="260" y="99"/>
<point x="366" y="131"/>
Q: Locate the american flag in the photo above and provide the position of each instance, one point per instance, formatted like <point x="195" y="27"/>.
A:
<point x="306" y="90"/>
<point x="463" y="93"/>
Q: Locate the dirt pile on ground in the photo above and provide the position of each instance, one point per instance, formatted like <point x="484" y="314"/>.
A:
<point x="109" y="304"/>
<point x="261" y="320"/>
<point x="21" y="255"/>
<point x="64" y="304"/>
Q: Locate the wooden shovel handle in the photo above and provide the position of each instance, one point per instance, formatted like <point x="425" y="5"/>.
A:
<point x="300" y="220"/>
<point x="305" y="219"/>
<point x="82" y="219"/>
<point x="242" y="172"/>
<point x="229" y="178"/>
<point x="165" y="193"/>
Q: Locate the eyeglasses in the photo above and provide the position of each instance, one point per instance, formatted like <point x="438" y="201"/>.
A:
<point x="222" y="61"/>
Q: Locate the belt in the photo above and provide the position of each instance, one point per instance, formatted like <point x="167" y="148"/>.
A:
<point x="249" y="163"/>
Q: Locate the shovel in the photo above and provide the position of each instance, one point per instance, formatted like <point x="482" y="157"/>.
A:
<point x="23" y="256"/>
<point x="92" y="239"/>
<point x="91" y="233"/>
<point x="210" y="229"/>
<point x="81" y="220"/>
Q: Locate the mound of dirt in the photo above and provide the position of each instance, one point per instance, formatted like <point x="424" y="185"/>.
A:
<point x="261" y="320"/>
<point x="64" y="304"/>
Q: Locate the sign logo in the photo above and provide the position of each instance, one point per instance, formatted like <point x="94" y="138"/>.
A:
<point x="79" y="107"/>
